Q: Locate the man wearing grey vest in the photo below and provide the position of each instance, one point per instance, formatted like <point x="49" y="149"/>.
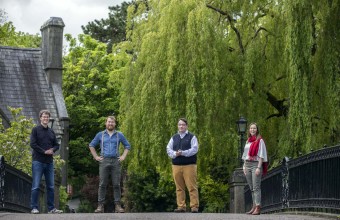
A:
<point x="182" y="149"/>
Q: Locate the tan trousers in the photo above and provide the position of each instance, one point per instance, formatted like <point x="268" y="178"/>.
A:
<point x="186" y="176"/>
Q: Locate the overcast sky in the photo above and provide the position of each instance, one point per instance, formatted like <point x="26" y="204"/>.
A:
<point x="29" y="15"/>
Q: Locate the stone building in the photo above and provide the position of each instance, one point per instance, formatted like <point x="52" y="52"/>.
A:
<point x="32" y="79"/>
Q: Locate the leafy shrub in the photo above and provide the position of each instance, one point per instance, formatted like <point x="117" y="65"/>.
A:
<point x="214" y="196"/>
<point x="150" y="192"/>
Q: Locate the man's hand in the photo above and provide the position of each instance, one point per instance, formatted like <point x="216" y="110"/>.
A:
<point x="121" y="158"/>
<point x="178" y="153"/>
<point x="49" y="151"/>
<point x="98" y="158"/>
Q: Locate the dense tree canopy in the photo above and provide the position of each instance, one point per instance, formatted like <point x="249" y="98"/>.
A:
<point x="110" y="30"/>
<point x="274" y="62"/>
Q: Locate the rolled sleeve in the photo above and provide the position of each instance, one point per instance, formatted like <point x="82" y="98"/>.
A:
<point x="96" y="140"/>
<point x="124" y="141"/>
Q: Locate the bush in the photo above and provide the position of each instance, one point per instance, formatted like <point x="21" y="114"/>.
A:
<point x="63" y="198"/>
<point x="214" y="196"/>
<point x="149" y="192"/>
<point x="15" y="141"/>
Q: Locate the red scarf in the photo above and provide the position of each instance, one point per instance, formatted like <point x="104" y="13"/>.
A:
<point x="254" y="149"/>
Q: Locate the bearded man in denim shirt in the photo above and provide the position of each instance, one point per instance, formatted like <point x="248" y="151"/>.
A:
<point x="109" y="162"/>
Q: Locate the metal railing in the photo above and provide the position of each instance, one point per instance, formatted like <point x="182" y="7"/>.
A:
<point x="15" y="189"/>
<point x="307" y="183"/>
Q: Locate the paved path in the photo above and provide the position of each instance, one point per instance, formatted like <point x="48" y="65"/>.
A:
<point x="157" y="216"/>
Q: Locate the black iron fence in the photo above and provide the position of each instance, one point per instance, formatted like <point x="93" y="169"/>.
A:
<point x="15" y="190"/>
<point x="307" y="183"/>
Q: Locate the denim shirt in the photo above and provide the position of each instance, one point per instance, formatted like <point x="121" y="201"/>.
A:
<point x="110" y="148"/>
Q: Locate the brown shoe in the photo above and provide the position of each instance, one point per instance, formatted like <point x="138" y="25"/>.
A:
<point x="251" y="210"/>
<point x="179" y="209"/>
<point x="100" y="208"/>
<point x="194" y="210"/>
<point x="119" y="209"/>
<point x="257" y="210"/>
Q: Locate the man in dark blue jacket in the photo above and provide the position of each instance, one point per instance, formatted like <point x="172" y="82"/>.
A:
<point x="44" y="144"/>
<point x="182" y="149"/>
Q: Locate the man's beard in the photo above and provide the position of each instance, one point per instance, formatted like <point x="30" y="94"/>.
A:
<point x="110" y="128"/>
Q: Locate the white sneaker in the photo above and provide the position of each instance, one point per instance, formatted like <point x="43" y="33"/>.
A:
<point x="55" y="211"/>
<point x="35" y="211"/>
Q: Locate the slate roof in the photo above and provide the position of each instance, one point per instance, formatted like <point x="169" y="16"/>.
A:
<point x="23" y="83"/>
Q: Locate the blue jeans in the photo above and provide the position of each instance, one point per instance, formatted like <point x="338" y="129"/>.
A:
<point x="39" y="169"/>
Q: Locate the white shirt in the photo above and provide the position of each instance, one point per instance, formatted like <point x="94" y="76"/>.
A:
<point x="261" y="153"/>
<point x="186" y="153"/>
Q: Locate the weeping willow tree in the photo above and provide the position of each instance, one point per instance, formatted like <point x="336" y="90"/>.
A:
<point x="181" y="70"/>
<point x="276" y="63"/>
<point x="326" y="73"/>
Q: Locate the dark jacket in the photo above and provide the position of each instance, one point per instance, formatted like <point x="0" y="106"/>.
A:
<point x="43" y="139"/>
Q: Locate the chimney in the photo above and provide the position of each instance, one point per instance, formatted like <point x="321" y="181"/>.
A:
<point x="52" y="48"/>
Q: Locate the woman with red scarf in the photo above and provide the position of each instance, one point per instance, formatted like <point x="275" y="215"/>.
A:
<point x="255" y="165"/>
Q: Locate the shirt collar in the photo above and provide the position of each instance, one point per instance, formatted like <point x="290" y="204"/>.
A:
<point x="183" y="134"/>
<point x="115" y="131"/>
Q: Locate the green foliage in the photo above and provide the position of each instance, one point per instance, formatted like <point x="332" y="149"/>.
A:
<point x="10" y="37"/>
<point x="214" y="195"/>
<point x="110" y="30"/>
<point x="174" y="77"/>
<point x="63" y="198"/>
<point x="15" y="141"/>
<point x="150" y="192"/>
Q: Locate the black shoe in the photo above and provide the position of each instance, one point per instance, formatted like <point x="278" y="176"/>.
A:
<point x="179" y="210"/>
<point x="194" y="210"/>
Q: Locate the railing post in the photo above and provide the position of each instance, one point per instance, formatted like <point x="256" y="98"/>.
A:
<point x="2" y="181"/>
<point x="285" y="183"/>
<point x="236" y="190"/>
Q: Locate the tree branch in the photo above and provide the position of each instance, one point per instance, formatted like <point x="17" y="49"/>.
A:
<point x="231" y="21"/>
<point x="256" y="33"/>
<point x="280" y="105"/>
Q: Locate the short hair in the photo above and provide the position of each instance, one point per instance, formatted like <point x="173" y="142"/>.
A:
<point x="44" y="111"/>
<point x="111" y="117"/>
<point x="183" y="119"/>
